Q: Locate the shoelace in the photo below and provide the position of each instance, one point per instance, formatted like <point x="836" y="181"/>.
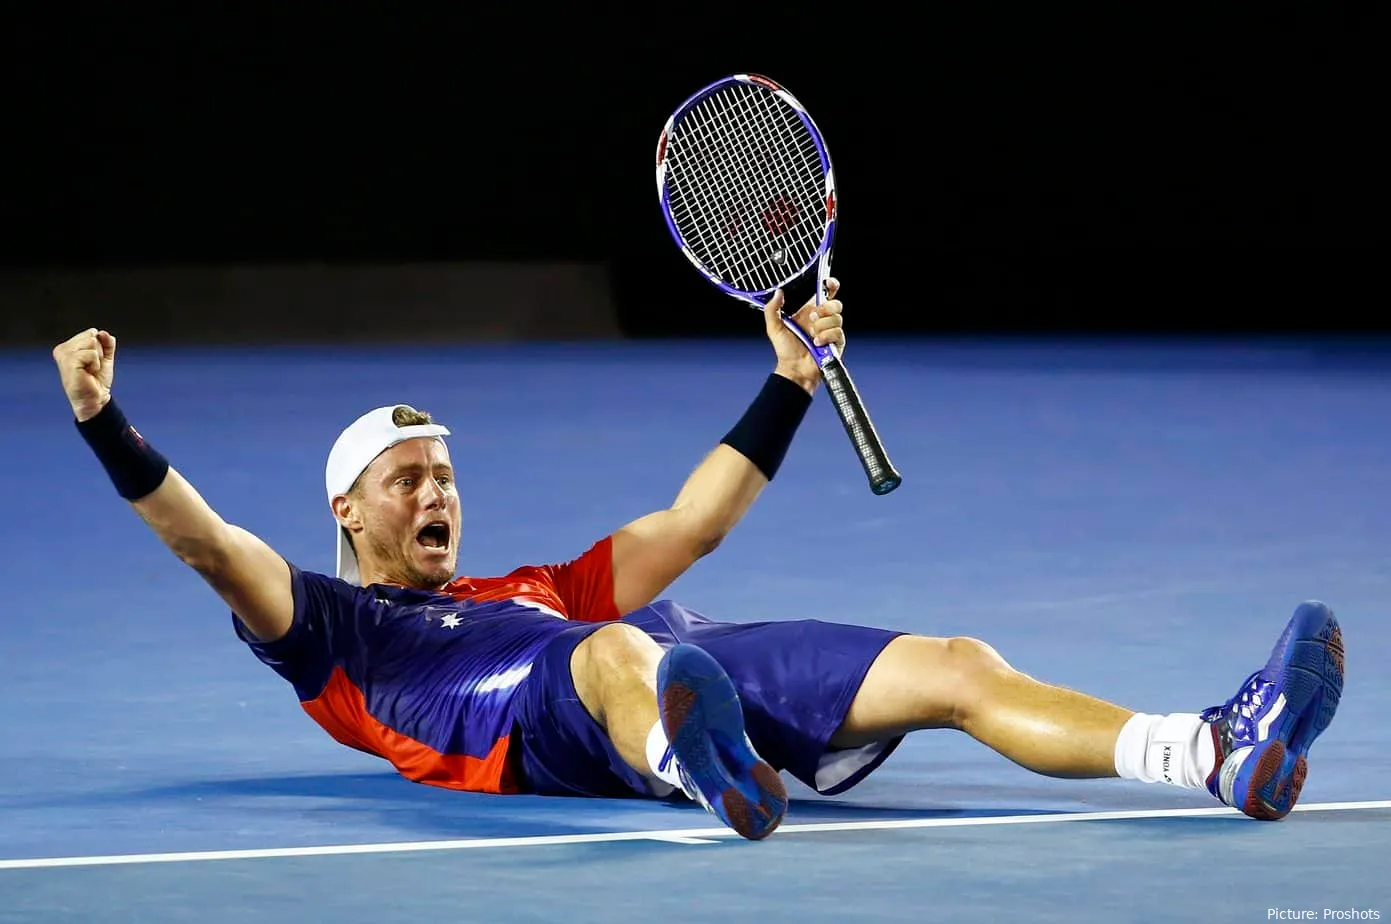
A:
<point x="1242" y="710"/>
<point x="687" y="785"/>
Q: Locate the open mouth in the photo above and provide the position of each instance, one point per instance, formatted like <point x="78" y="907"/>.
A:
<point x="434" y="536"/>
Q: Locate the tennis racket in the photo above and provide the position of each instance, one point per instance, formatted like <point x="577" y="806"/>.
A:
<point x="746" y="187"/>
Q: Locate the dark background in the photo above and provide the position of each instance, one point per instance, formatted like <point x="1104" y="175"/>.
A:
<point x="1002" y="169"/>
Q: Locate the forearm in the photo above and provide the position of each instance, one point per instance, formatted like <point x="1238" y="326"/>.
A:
<point x="184" y="522"/>
<point x="249" y="576"/>
<point x="652" y="551"/>
<point x="717" y="495"/>
<point x="171" y="507"/>
<point x="727" y="482"/>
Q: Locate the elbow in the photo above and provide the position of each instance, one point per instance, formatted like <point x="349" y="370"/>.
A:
<point x="699" y="530"/>
<point x="707" y="542"/>
<point x="208" y="558"/>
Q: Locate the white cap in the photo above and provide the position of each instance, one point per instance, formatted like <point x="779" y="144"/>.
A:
<point x="365" y="438"/>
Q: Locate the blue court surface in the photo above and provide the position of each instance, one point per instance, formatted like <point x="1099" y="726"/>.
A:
<point x="1134" y="520"/>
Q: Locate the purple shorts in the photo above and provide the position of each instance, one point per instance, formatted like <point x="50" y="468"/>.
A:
<point x="796" y="681"/>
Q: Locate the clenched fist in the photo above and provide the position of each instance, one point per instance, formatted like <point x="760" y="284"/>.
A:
<point x="86" y="363"/>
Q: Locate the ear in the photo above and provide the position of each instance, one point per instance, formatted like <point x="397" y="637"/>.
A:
<point x="345" y="512"/>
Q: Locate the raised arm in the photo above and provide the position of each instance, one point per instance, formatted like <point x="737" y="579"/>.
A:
<point x="651" y="552"/>
<point x="245" y="572"/>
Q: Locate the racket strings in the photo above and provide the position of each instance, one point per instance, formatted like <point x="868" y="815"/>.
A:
<point x="747" y="187"/>
<point x="749" y="171"/>
<point x="756" y="177"/>
<point x="793" y="156"/>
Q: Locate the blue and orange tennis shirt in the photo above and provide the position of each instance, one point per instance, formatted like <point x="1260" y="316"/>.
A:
<point x="426" y="679"/>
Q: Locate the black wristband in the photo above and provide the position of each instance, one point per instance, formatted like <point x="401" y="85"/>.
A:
<point x="765" y="431"/>
<point x="133" y="465"/>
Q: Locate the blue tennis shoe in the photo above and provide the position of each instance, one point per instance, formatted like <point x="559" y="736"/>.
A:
<point x="1261" y="735"/>
<point x="717" y="765"/>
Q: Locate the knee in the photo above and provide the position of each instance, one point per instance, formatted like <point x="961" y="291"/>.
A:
<point x="615" y="650"/>
<point x="976" y="669"/>
<point x="608" y="663"/>
<point x="974" y="655"/>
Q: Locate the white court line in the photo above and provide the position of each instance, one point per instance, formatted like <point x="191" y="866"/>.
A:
<point x="675" y="835"/>
<point x="682" y="839"/>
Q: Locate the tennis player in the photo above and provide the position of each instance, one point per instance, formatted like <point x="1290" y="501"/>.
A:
<point x="568" y="679"/>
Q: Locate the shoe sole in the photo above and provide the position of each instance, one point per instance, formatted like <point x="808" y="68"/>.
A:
<point x="1311" y="681"/>
<point x="704" y="723"/>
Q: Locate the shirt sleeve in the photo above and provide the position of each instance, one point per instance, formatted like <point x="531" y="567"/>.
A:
<point x="324" y="620"/>
<point x="585" y="585"/>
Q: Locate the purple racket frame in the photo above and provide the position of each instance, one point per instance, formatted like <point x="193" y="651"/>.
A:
<point x="883" y="477"/>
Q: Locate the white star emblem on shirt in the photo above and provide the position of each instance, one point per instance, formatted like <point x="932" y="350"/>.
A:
<point x="452" y="621"/>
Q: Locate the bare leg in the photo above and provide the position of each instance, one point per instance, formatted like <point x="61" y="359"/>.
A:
<point x="963" y="683"/>
<point x="615" y="674"/>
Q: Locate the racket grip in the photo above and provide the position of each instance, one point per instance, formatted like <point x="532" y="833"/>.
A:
<point x="883" y="478"/>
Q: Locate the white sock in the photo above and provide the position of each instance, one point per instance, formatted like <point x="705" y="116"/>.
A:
<point x="656" y="750"/>
<point x="1175" y="749"/>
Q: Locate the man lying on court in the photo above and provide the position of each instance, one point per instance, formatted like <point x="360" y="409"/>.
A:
<point x="538" y="681"/>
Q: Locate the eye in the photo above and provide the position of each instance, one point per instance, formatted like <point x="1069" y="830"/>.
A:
<point x="405" y="482"/>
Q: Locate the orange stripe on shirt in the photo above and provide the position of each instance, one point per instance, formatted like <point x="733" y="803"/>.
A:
<point x="341" y="710"/>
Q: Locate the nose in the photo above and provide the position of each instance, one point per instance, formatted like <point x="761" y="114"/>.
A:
<point x="432" y="495"/>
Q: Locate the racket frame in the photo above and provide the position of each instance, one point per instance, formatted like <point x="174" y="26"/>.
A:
<point x="821" y="258"/>
<point x="883" y="477"/>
